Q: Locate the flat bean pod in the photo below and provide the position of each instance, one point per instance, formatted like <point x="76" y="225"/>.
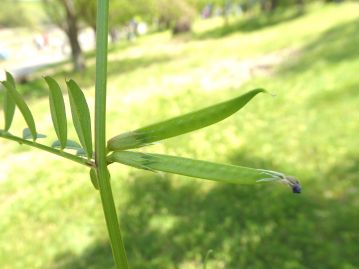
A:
<point x="193" y="168"/>
<point x="181" y="124"/>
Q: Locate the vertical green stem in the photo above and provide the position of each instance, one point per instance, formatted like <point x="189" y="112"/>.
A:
<point x="108" y="204"/>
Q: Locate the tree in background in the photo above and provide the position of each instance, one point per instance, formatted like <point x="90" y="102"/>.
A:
<point x="121" y="11"/>
<point x="176" y="15"/>
<point x="65" y="15"/>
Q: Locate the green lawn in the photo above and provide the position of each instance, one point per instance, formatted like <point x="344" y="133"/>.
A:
<point x="50" y="215"/>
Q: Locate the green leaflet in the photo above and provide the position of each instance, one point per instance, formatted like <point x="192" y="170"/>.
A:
<point x="24" y="109"/>
<point x="180" y="125"/>
<point x="194" y="168"/>
<point x="9" y="103"/>
<point x="80" y="152"/>
<point x="58" y="112"/>
<point x="80" y="116"/>
<point x="26" y="134"/>
<point x="70" y="144"/>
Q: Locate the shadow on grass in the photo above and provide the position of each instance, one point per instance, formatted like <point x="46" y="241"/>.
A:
<point x="253" y="23"/>
<point x="170" y="223"/>
<point x="334" y="46"/>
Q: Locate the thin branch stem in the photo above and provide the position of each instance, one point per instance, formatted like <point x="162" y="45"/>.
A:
<point x="108" y="204"/>
<point x="61" y="153"/>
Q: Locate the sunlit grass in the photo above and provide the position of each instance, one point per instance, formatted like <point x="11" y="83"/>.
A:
<point x="50" y="216"/>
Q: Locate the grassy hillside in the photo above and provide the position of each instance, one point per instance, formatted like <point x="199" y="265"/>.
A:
<point x="50" y="215"/>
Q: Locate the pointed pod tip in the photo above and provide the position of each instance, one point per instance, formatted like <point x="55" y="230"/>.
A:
<point x="256" y="91"/>
<point x="259" y="90"/>
<point x="267" y="92"/>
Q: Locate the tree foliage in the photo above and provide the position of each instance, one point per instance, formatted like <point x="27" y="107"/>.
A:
<point x="86" y="11"/>
<point x="176" y="15"/>
<point x="168" y="14"/>
<point x="12" y="14"/>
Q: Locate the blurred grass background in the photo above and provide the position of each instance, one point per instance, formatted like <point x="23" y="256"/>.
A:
<point x="50" y="215"/>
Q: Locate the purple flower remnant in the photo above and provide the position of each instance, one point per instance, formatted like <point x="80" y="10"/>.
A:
<point x="293" y="183"/>
<point x="296" y="188"/>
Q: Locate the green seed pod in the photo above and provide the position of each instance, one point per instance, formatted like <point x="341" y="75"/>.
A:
<point x="224" y="173"/>
<point x="181" y="124"/>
